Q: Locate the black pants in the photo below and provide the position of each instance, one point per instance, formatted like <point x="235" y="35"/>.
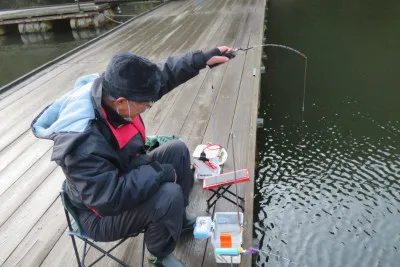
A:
<point x="161" y="215"/>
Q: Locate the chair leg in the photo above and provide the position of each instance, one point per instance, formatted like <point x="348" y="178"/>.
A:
<point x="73" y="239"/>
<point x="107" y="253"/>
<point x="84" y="254"/>
<point x="143" y="250"/>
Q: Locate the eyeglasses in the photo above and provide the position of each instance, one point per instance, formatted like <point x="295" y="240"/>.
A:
<point x="147" y="105"/>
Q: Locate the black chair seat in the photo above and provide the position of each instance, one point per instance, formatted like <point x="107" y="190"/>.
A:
<point x="75" y="230"/>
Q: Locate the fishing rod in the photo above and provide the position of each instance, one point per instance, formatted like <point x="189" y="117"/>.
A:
<point x="235" y="51"/>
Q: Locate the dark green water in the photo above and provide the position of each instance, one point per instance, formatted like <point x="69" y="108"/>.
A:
<point x="330" y="196"/>
<point x="20" y="54"/>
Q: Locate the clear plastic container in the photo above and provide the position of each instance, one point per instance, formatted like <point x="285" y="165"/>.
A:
<point x="203" y="228"/>
<point x="228" y="223"/>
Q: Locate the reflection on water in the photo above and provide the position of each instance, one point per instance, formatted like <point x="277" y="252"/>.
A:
<point x="331" y="199"/>
<point x="330" y="196"/>
<point x="20" y="54"/>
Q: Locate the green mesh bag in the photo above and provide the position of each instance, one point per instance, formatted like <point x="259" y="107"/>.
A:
<point x="154" y="141"/>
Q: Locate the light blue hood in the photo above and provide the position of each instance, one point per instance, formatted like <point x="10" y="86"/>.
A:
<point x="70" y="113"/>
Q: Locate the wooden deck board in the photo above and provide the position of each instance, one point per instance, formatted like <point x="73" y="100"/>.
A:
<point x="226" y="109"/>
<point x="35" y="247"/>
<point x="15" y="149"/>
<point x="222" y="80"/>
<point x="174" y="28"/>
<point x="19" y="166"/>
<point x="21" y="222"/>
<point x="26" y="184"/>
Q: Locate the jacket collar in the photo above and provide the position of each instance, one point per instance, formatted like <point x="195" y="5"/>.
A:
<point x="114" y="118"/>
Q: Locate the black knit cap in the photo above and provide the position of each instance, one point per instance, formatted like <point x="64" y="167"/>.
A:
<point x="132" y="76"/>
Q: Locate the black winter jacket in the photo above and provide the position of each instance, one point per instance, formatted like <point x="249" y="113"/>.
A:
<point x="101" y="176"/>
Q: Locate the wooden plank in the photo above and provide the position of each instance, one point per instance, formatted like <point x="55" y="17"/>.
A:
<point x="152" y="38"/>
<point x="35" y="247"/>
<point x="189" y="250"/>
<point x="28" y="214"/>
<point x="113" y="43"/>
<point x="48" y="93"/>
<point x="8" y="97"/>
<point x="197" y="131"/>
<point x="62" y="254"/>
<point x="24" y="110"/>
<point x="157" y="115"/>
<point x="200" y="113"/>
<point x="243" y="124"/>
<point x="16" y="194"/>
<point x="21" y="165"/>
<point x="135" y="33"/>
<point x="244" y="115"/>
<point x="15" y="149"/>
<point x="185" y="98"/>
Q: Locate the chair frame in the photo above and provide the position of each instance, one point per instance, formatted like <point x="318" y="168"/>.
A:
<point x="73" y="233"/>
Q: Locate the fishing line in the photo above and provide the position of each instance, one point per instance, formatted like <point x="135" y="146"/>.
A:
<point x="236" y="186"/>
<point x="213" y="96"/>
<point x="304" y="79"/>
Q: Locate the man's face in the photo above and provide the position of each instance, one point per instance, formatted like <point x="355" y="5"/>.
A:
<point x="130" y="109"/>
<point x="141" y="106"/>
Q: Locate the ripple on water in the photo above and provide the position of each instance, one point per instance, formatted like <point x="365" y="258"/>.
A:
<point x="328" y="200"/>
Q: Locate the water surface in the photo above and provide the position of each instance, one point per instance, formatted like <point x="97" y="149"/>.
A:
<point x="328" y="195"/>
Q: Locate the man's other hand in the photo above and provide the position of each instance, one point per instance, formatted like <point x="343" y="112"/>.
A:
<point x="220" y="59"/>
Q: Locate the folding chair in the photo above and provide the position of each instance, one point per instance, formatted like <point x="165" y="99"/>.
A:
<point x="76" y="230"/>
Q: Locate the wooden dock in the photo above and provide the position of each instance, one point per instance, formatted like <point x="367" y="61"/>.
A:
<point x="32" y="221"/>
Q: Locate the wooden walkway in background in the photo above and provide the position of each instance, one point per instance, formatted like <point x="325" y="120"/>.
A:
<point x="32" y="222"/>
<point x="50" y="12"/>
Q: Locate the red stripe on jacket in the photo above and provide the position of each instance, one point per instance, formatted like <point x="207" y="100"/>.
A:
<point x="126" y="132"/>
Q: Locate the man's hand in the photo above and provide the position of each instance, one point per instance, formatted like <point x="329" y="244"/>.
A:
<point x="168" y="173"/>
<point x="220" y="59"/>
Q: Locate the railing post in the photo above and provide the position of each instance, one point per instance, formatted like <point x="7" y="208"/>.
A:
<point x="79" y="5"/>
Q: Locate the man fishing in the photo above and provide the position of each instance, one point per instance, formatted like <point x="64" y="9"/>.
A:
<point x="99" y="136"/>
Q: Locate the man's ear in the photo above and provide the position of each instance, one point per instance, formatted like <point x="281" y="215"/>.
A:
<point x="121" y="100"/>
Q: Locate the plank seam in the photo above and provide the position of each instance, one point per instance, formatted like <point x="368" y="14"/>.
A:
<point x="26" y="172"/>
<point x="28" y="197"/>
<point x="30" y="229"/>
<point x="39" y="85"/>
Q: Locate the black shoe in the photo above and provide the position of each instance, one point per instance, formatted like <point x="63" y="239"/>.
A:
<point x="188" y="223"/>
<point x="169" y="261"/>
